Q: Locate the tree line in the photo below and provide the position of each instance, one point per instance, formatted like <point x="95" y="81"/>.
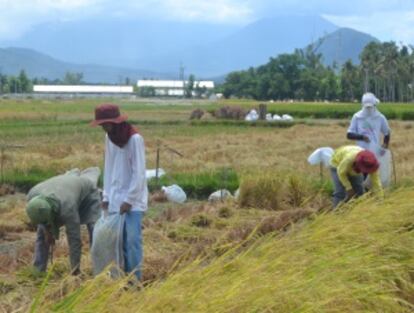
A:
<point x="15" y="84"/>
<point x="385" y="69"/>
<point x="23" y="84"/>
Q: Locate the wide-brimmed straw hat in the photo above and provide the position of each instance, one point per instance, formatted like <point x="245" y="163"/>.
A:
<point x="108" y="113"/>
<point x="366" y="162"/>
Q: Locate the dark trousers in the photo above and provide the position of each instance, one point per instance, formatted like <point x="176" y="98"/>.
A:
<point x="42" y="247"/>
<point x="339" y="193"/>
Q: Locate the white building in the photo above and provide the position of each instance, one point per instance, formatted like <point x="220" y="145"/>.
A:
<point x="172" y="87"/>
<point x="85" y="89"/>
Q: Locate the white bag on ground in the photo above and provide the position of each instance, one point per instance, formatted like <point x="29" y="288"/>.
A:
<point x="276" y="117"/>
<point x="151" y="173"/>
<point x="107" y="244"/>
<point x="252" y="116"/>
<point x="321" y="155"/>
<point x="219" y="195"/>
<point x="287" y="117"/>
<point x="269" y="117"/>
<point x="174" y="193"/>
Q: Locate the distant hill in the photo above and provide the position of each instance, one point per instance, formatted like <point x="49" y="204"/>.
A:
<point x="250" y="46"/>
<point x="36" y="64"/>
<point x="206" y="50"/>
<point x="344" y="44"/>
<point x="138" y="49"/>
<point x="118" y="41"/>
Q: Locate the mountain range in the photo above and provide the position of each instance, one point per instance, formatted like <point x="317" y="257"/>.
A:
<point x="108" y="51"/>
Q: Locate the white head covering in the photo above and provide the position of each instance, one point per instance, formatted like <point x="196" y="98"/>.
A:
<point x="369" y="100"/>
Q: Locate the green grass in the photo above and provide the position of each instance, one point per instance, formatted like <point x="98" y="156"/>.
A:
<point x="57" y="109"/>
<point x="340" y="111"/>
<point x="199" y="185"/>
<point x="24" y="180"/>
<point x="196" y="185"/>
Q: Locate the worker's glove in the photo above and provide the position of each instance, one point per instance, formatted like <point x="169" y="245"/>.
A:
<point x="366" y="139"/>
<point x="105" y="205"/>
<point x="125" y="208"/>
<point x="349" y="194"/>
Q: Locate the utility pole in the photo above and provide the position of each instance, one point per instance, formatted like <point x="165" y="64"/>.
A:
<point x="366" y="81"/>
<point x="181" y="72"/>
<point x="181" y="76"/>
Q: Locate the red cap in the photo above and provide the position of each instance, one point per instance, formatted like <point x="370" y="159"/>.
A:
<point x="108" y="113"/>
<point x="366" y="162"/>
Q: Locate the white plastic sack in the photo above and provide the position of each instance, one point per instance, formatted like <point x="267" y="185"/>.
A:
<point x="151" y="173"/>
<point x="276" y="117"/>
<point x="287" y="117"/>
<point x="385" y="161"/>
<point x="107" y="244"/>
<point x="219" y="195"/>
<point x="269" y="117"/>
<point x="384" y="158"/>
<point x="252" y="116"/>
<point x="91" y="173"/>
<point x="321" y="155"/>
<point x="174" y="193"/>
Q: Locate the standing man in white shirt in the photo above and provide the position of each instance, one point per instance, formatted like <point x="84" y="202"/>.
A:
<point x="368" y="124"/>
<point x="124" y="187"/>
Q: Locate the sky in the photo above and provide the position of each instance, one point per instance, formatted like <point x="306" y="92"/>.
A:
<point x="384" y="19"/>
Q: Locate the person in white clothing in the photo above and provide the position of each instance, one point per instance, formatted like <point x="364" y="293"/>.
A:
<point x="368" y="124"/>
<point x="124" y="187"/>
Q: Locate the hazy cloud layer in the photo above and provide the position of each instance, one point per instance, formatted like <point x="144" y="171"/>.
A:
<point x="391" y="25"/>
<point x="385" y="19"/>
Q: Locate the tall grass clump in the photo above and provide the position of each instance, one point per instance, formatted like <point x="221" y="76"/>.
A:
<point x="357" y="259"/>
<point x="273" y="191"/>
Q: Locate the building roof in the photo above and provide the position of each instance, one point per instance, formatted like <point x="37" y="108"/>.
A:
<point x="172" y="83"/>
<point x="83" y="89"/>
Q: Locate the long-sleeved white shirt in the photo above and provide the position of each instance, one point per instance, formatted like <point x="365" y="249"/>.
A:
<point x="124" y="175"/>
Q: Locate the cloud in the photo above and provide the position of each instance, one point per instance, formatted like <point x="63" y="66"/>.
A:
<point x="392" y="25"/>
<point x="227" y="11"/>
<point x="213" y="11"/>
<point x="383" y="18"/>
<point x="17" y="16"/>
<point x="337" y="7"/>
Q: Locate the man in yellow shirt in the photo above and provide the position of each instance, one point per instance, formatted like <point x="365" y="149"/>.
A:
<point x="348" y="164"/>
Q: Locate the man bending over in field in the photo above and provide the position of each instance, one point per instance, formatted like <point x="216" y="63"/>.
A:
<point x="348" y="165"/>
<point x="66" y="200"/>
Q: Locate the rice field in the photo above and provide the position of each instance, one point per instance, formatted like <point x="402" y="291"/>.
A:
<point x="187" y="245"/>
<point x="359" y="259"/>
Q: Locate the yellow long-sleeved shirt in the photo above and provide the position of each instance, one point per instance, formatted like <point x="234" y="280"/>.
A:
<point x="343" y="160"/>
